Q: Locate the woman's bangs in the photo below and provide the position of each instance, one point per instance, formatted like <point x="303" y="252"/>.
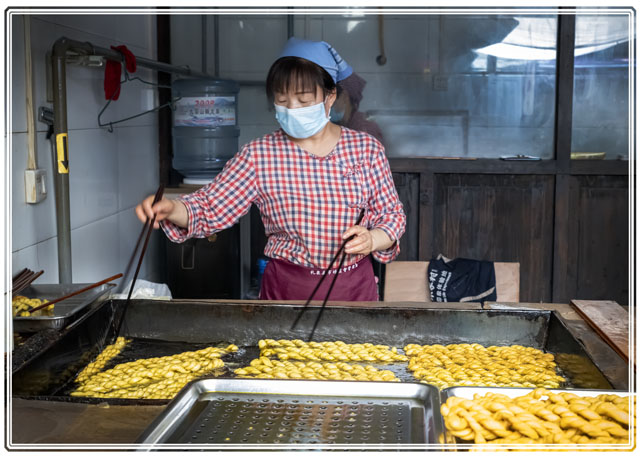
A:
<point x="297" y="79"/>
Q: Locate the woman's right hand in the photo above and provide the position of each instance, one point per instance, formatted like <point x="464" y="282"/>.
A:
<point x="164" y="209"/>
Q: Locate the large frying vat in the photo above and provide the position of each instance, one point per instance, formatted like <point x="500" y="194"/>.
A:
<point x="194" y="323"/>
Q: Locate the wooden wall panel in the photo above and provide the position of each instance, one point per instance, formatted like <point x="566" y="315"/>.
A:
<point x="407" y="185"/>
<point x="600" y="229"/>
<point x="503" y="218"/>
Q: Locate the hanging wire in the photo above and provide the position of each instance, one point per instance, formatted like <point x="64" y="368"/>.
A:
<point x="128" y="78"/>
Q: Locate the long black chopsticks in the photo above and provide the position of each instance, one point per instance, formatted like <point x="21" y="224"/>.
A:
<point x="148" y="228"/>
<point x="324" y="275"/>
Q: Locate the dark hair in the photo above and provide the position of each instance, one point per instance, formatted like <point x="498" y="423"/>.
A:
<point x="299" y="73"/>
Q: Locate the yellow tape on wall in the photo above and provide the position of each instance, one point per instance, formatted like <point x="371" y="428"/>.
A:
<point x="62" y="153"/>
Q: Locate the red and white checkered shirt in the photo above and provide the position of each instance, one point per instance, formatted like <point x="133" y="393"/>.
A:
<point x="306" y="202"/>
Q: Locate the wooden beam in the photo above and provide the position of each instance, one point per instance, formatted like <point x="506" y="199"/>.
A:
<point x="165" y="154"/>
<point x="496" y="166"/>
<point x="466" y="166"/>
<point x="564" y="91"/>
<point x="600" y="167"/>
<point x="561" y="277"/>
<point x="426" y="216"/>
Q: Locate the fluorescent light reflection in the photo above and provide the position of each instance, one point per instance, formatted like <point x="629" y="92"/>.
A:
<point x="515" y="52"/>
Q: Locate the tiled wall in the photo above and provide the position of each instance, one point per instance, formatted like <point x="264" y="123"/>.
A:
<point x="109" y="173"/>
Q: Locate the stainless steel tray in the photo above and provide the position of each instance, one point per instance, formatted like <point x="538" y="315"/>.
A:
<point x="211" y="412"/>
<point x="512" y="392"/>
<point x="64" y="312"/>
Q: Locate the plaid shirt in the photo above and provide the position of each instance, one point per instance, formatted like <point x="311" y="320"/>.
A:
<point x="306" y="202"/>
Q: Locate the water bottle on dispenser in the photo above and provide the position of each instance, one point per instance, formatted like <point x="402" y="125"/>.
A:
<point x="205" y="135"/>
<point x="205" y="127"/>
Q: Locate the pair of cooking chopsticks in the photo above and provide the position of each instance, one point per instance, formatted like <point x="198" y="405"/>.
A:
<point x="76" y="292"/>
<point x="148" y="228"/>
<point x="324" y="275"/>
<point x="24" y="279"/>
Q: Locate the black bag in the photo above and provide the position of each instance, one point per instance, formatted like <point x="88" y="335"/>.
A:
<point x="461" y="280"/>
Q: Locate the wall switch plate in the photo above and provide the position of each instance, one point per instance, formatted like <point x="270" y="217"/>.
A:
<point x="34" y="185"/>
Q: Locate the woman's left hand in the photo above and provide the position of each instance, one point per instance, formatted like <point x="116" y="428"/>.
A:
<point x="365" y="241"/>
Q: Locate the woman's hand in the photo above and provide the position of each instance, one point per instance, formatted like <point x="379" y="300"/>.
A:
<point x="365" y="241"/>
<point x="172" y="210"/>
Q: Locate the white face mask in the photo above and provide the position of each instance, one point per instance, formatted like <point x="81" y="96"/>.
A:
<point x="302" y="122"/>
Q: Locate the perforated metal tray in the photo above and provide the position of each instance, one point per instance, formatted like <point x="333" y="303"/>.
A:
<point x="265" y="411"/>
<point x="64" y="312"/>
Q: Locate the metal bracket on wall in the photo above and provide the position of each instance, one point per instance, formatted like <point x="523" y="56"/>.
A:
<point x="83" y="60"/>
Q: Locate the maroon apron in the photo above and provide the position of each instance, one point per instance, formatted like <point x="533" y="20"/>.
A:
<point x="283" y="280"/>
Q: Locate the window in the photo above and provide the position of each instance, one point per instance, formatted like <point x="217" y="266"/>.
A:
<point x="487" y="87"/>
<point x="601" y="86"/>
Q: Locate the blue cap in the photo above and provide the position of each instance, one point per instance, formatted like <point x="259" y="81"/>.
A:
<point x="320" y="53"/>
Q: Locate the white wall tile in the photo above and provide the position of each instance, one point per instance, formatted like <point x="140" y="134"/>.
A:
<point x="85" y="86"/>
<point x="103" y="36"/>
<point x="135" y="98"/>
<point x="210" y="46"/>
<point x="186" y="41"/>
<point x="93" y="175"/>
<point x="94" y="170"/>
<point x="308" y="27"/>
<point x="48" y="260"/>
<point x="133" y="30"/>
<point x="251" y="43"/>
<point x="95" y="24"/>
<point x="128" y="29"/>
<point x="18" y="93"/>
<point x="253" y="107"/>
<point x="31" y="223"/>
<point x="85" y="91"/>
<point x="85" y="97"/>
<point x="138" y="168"/>
<point x="94" y="250"/>
<point x="41" y="256"/>
<point x="24" y="258"/>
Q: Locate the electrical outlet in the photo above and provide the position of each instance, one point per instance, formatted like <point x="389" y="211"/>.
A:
<point x="34" y="185"/>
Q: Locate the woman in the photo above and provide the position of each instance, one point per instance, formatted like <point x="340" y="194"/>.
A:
<point x="345" y="110"/>
<point x="310" y="180"/>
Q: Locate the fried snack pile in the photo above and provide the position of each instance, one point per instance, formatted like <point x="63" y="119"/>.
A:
<point x="539" y="417"/>
<point x="475" y="365"/>
<point x="329" y="351"/>
<point x="277" y="369"/>
<point x="21" y="306"/>
<point x="157" y="377"/>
